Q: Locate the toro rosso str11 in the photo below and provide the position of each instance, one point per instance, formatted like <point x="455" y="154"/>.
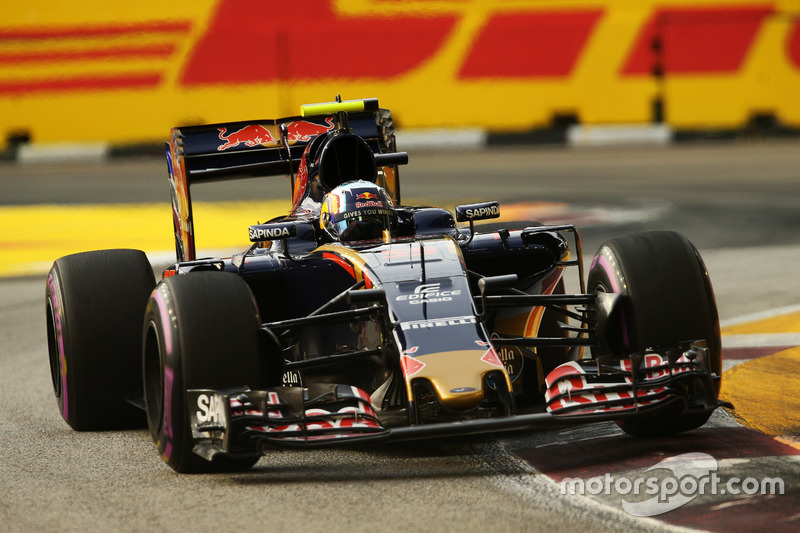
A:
<point x="355" y="318"/>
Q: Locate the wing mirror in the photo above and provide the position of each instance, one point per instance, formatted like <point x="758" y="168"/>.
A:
<point x="481" y="211"/>
<point x="282" y="231"/>
<point x="472" y="212"/>
<point x="273" y="232"/>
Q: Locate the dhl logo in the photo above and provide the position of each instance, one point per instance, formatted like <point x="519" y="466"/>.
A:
<point x="277" y="44"/>
<point x="521" y="41"/>
<point x="577" y="55"/>
<point x="83" y="47"/>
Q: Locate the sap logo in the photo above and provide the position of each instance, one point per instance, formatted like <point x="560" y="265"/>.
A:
<point x="438" y="322"/>
<point x="211" y="409"/>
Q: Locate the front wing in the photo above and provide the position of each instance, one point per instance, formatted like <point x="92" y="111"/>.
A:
<point x="242" y="421"/>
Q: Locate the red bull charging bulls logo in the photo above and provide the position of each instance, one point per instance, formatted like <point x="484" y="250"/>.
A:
<point x="302" y="130"/>
<point x="253" y="135"/>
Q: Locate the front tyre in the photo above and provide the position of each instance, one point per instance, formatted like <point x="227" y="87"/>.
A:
<point x="666" y="298"/>
<point x="94" y="307"/>
<point x="200" y="331"/>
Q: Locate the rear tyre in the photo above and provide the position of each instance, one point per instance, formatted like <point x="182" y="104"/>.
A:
<point x="666" y="298"/>
<point x="94" y="307"/>
<point x="201" y="330"/>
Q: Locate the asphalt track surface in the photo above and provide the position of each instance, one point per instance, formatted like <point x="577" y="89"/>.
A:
<point x="739" y="203"/>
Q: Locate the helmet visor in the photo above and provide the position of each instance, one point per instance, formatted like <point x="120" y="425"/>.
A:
<point x="363" y="224"/>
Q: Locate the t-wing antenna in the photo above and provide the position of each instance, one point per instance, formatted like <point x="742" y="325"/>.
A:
<point x="339" y="110"/>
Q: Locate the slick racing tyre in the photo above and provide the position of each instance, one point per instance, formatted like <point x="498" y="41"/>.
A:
<point x="95" y="302"/>
<point x="667" y="298"/>
<point x="201" y="330"/>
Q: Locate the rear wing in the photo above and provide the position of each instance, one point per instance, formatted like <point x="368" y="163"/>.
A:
<point x="274" y="147"/>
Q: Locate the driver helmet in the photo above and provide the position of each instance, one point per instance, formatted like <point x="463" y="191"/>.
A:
<point x="357" y="211"/>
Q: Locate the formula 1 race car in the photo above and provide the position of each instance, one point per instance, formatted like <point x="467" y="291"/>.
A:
<point x="357" y="319"/>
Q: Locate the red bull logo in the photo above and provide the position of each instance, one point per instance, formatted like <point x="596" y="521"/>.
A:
<point x="369" y="200"/>
<point x="302" y="130"/>
<point x="253" y="135"/>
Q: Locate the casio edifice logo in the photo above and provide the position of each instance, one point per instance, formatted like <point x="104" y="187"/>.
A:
<point x="428" y="293"/>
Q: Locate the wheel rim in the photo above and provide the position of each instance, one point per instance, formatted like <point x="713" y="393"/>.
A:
<point x="153" y="378"/>
<point x="53" y="350"/>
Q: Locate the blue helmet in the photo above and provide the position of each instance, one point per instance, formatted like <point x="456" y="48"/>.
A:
<point x="357" y="211"/>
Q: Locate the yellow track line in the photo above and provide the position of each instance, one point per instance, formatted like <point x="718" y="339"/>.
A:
<point x="785" y="323"/>
<point x="764" y="392"/>
<point x="34" y="236"/>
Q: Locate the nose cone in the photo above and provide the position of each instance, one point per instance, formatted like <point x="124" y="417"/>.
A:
<point x="458" y="377"/>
